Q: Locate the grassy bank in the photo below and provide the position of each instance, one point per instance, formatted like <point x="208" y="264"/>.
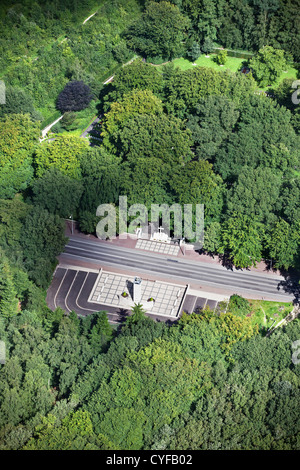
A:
<point x="266" y="313"/>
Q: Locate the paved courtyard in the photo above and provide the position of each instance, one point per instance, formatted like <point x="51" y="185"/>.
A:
<point x="168" y="297"/>
<point x="159" y="247"/>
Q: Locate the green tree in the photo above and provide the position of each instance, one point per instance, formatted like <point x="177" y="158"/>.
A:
<point x="239" y="305"/>
<point x="12" y="215"/>
<point x="64" y="153"/>
<point x="212" y="121"/>
<point x="42" y="240"/>
<point x="17" y="101"/>
<point x="237" y="27"/>
<point x="74" y="432"/>
<point x="8" y="293"/>
<point x="135" y="76"/>
<point x="263" y="137"/>
<point x="205" y="16"/>
<point x="159" y="32"/>
<point x="255" y="193"/>
<point x="146" y="181"/>
<point x="132" y="104"/>
<point x="142" y="137"/>
<point x="288" y="202"/>
<point x="207" y="46"/>
<point x="101" y="333"/>
<point x="74" y="97"/>
<point x="19" y="136"/>
<point x="283" y="243"/>
<point x="138" y="314"/>
<point x="57" y="192"/>
<point x="267" y="65"/>
<point x="196" y="183"/>
<point x="212" y="238"/>
<point x="242" y="239"/>
<point x="194" y="52"/>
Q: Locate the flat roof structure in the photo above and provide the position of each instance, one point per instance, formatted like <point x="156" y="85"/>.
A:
<point x="109" y="287"/>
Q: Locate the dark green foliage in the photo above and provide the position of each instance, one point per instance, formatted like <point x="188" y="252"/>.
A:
<point x="142" y="137"/>
<point x="75" y="96"/>
<point x="238" y="305"/>
<point x="207" y="46"/>
<point x="194" y="52"/>
<point x="267" y="65"/>
<point x="135" y="76"/>
<point x="19" y="102"/>
<point x="42" y="240"/>
<point x="159" y="32"/>
<point x="19" y="137"/>
<point x="8" y="293"/>
<point x="152" y="386"/>
<point x="264" y="137"/>
<point x="211" y="124"/>
<point x="208" y="381"/>
<point x="57" y="193"/>
<point x="101" y="333"/>
<point x="184" y="88"/>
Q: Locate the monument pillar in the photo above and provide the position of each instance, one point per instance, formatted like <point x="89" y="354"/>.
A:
<point x="137" y="289"/>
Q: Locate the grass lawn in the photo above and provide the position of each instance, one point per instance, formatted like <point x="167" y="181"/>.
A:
<point x="85" y="117"/>
<point x="290" y="73"/>
<point x="233" y="63"/>
<point x="265" y="312"/>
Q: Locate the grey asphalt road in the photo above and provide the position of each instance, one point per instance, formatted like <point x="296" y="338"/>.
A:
<point x="90" y="128"/>
<point x="192" y="272"/>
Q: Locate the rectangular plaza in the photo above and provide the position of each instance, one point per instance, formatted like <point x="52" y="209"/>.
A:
<point x="109" y="287"/>
<point x="158" y="247"/>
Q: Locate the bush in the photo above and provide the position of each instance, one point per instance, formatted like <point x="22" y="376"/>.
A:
<point x="221" y="57"/>
<point x="238" y="305"/>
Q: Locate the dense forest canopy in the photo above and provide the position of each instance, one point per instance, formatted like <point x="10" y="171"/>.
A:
<point x="201" y="135"/>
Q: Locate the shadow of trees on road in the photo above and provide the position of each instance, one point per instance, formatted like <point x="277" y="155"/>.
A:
<point x="290" y="285"/>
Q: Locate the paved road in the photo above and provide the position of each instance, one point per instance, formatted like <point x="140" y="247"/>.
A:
<point x="215" y="276"/>
<point x="91" y="127"/>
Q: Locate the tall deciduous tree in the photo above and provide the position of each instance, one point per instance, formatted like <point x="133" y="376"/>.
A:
<point x="42" y="240"/>
<point x="8" y="293"/>
<point x="64" y="153"/>
<point x="212" y="122"/>
<point x="255" y="193"/>
<point x="159" y="136"/>
<point x="242" y="240"/>
<point x="135" y="76"/>
<point x="19" y="137"/>
<point x="160" y="31"/>
<point x="17" y="101"/>
<point x="75" y="96"/>
<point x="283" y="243"/>
<point x="267" y="65"/>
<point x="57" y="192"/>
<point x="264" y="137"/>
<point x="133" y="103"/>
<point x="196" y="183"/>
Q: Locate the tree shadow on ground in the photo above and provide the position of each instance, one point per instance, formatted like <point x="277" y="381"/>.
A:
<point x="124" y="314"/>
<point x="290" y="285"/>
